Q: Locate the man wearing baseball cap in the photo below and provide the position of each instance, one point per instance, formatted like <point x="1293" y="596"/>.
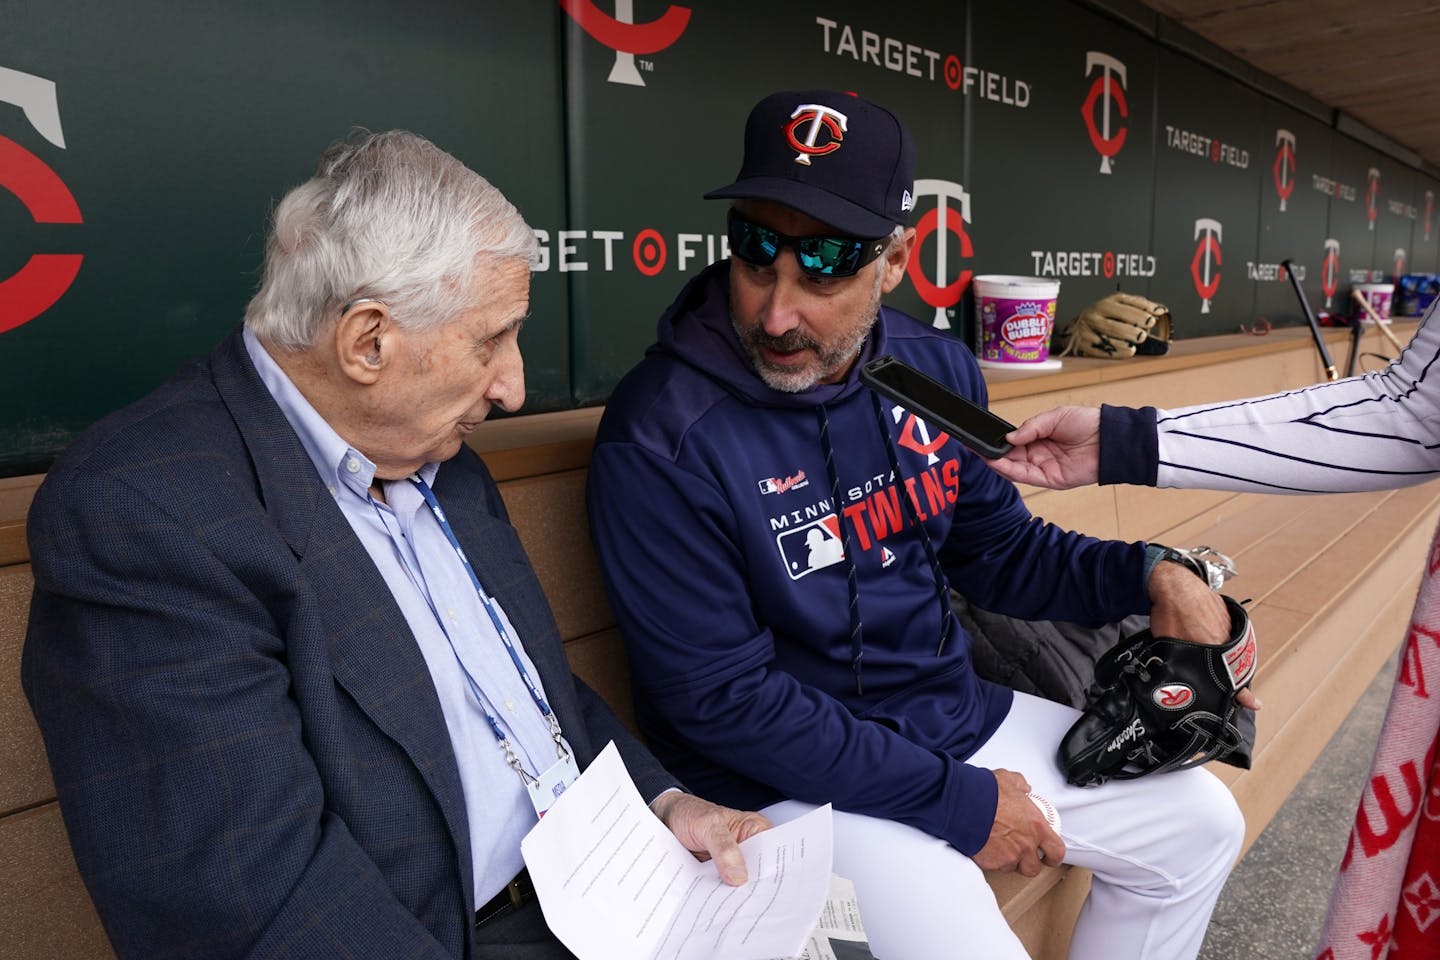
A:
<point x="779" y="545"/>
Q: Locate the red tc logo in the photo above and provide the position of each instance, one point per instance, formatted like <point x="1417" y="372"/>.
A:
<point x="46" y="276"/>
<point x="1330" y="271"/>
<point x="1204" y="266"/>
<point x="916" y="435"/>
<point x="1284" y="168"/>
<point x="626" y="37"/>
<point x="814" y="117"/>
<point x="1104" y="90"/>
<point x="1372" y="197"/>
<point x="941" y="221"/>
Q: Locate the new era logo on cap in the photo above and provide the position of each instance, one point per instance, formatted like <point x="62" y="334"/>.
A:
<point x="833" y="156"/>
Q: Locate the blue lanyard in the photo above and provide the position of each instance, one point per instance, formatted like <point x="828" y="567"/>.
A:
<point x="490" y="609"/>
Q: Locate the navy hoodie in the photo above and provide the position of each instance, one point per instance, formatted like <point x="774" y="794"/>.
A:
<point x="724" y="546"/>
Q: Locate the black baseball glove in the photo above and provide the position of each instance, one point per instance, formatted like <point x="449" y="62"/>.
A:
<point x="1161" y="704"/>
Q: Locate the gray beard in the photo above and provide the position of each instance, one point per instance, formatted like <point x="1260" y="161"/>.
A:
<point x="830" y="362"/>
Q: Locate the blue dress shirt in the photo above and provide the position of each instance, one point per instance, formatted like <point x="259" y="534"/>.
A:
<point x="430" y="585"/>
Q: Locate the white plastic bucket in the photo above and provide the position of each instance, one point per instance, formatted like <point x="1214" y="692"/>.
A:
<point x="1379" y="296"/>
<point x="1016" y="318"/>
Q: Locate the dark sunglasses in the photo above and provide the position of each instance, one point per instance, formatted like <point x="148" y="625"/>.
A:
<point x="818" y="256"/>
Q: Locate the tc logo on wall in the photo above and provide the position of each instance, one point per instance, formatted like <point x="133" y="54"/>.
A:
<point x="46" y="276"/>
<point x="1372" y="197"/>
<point x="1106" y="137"/>
<point x="1284" y="169"/>
<point x="626" y="37"/>
<point x="1330" y="271"/>
<point x="1205" y="265"/>
<point x="941" y="220"/>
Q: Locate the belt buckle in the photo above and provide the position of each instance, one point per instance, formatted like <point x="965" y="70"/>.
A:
<point x="513" y="894"/>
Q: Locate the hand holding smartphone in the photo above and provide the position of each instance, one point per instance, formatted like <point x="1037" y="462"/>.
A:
<point x="968" y="422"/>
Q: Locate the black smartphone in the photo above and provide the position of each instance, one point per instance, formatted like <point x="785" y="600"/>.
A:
<point x="965" y="420"/>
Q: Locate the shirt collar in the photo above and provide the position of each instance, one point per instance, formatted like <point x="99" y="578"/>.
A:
<point x="339" y="464"/>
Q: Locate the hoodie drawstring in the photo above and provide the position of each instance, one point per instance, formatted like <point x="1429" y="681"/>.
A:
<point x="857" y="650"/>
<point x="942" y="585"/>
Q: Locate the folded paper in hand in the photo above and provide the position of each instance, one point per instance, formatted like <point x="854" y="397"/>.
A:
<point x="615" y="884"/>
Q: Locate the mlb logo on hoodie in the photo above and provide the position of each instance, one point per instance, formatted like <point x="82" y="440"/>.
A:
<point x="812" y="547"/>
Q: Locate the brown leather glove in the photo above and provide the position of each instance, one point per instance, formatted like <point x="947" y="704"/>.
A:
<point x="1118" y="326"/>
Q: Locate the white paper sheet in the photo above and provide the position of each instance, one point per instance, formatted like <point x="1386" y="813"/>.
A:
<point x="615" y="884"/>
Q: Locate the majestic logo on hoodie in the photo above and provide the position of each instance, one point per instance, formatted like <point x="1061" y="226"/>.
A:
<point x="811" y="547"/>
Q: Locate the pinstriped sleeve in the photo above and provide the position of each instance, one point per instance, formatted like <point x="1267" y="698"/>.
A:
<point x="1371" y="432"/>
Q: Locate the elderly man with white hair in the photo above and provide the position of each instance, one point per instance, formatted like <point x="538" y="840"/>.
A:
<point x="295" y="674"/>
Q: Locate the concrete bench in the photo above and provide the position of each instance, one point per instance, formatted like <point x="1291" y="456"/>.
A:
<point x="1332" y="579"/>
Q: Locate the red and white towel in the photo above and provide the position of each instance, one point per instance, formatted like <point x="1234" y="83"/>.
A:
<point x="1386" y="901"/>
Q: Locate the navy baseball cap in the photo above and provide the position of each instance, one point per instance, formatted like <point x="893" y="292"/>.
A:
<point x="833" y="156"/>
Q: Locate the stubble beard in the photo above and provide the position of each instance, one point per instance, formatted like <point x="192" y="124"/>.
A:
<point x="828" y="363"/>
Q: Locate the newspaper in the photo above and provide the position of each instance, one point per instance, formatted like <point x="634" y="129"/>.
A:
<point x="839" y="934"/>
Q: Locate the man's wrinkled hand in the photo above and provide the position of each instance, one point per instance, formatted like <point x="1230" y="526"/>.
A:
<point x="709" y="830"/>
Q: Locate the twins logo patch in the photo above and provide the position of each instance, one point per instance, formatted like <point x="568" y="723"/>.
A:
<point x="1173" y="696"/>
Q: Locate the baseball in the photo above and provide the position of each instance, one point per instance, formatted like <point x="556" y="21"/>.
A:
<point x="1052" y="816"/>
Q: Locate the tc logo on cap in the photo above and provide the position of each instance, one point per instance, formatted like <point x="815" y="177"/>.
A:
<point x="817" y="116"/>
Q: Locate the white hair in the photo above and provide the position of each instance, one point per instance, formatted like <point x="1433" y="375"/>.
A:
<point x="388" y="216"/>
